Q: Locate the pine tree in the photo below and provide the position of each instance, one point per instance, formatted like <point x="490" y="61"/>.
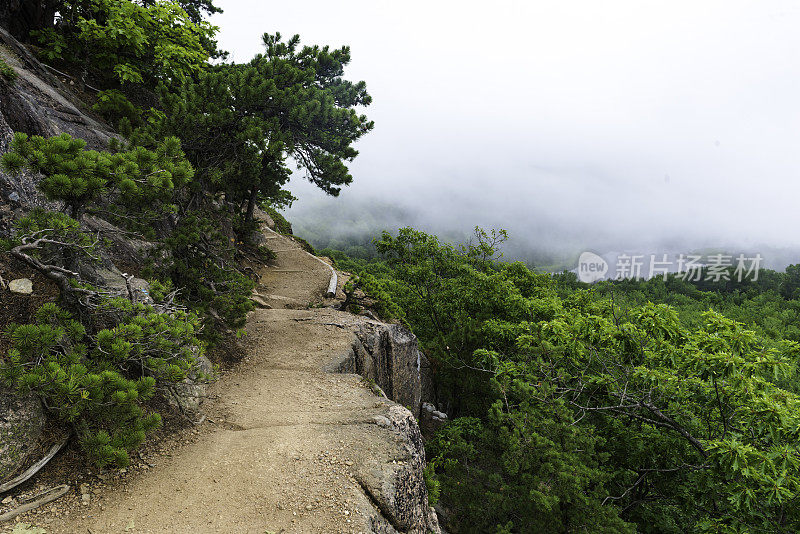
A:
<point x="97" y="381"/>
<point x="136" y="177"/>
<point x="241" y="122"/>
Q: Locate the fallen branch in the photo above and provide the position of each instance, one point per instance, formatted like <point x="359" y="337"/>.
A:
<point x="71" y="78"/>
<point x="48" y="495"/>
<point x="57" y="274"/>
<point x="32" y="470"/>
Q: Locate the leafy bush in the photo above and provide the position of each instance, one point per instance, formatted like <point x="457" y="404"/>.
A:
<point x="282" y="226"/>
<point x="375" y="290"/>
<point x="115" y="107"/>
<point x="305" y="245"/>
<point x="571" y="414"/>
<point x="202" y="263"/>
<point x="432" y="483"/>
<point x="122" y="42"/>
<point x="97" y="380"/>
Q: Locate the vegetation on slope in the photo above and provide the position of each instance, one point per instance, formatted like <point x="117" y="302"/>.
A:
<point x="201" y="146"/>
<point x="619" y="407"/>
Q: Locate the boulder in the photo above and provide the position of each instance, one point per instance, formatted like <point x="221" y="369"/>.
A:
<point x="430" y="419"/>
<point x="105" y="274"/>
<point x="139" y="291"/>
<point x="392" y="460"/>
<point x="396" y="485"/>
<point x="389" y="355"/>
<point x="188" y="395"/>
<point x="23" y="286"/>
<point x="22" y="421"/>
<point x="123" y="246"/>
<point x="263" y="217"/>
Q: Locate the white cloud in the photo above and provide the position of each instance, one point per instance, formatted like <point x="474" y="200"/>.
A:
<point x="569" y="112"/>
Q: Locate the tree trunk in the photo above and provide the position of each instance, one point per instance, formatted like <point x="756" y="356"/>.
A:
<point x="251" y="204"/>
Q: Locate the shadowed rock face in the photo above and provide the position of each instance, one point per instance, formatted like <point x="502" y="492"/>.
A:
<point x="430" y="419"/>
<point x="21" y="423"/>
<point x="36" y="103"/>
<point x="389" y="355"/>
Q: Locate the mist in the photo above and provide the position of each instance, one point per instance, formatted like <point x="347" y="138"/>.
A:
<point x="649" y="126"/>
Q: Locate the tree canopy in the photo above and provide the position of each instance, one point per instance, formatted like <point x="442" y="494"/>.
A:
<point x="599" y="409"/>
<point x="240" y="123"/>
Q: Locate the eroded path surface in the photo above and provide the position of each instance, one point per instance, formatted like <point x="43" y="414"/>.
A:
<point x="282" y="439"/>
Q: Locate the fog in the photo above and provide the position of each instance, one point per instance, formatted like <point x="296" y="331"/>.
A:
<point x="652" y="126"/>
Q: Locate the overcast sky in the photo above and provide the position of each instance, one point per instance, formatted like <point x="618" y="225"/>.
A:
<point x="601" y="121"/>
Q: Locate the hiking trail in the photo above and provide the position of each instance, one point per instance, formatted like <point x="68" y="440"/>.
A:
<point x="285" y="447"/>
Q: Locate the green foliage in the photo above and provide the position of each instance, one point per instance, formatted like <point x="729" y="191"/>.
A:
<point x="281" y="224"/>
<point x="120" y="41"/>
<point x="380" y="299"/>
<point x="58" y="238"/>
<point x="52" y="225"/>
<point x="790" y="285"/>
<point x="526" y="471"/>
<point x="196" y="9"/>
<point x="97" y="380"/>
<point x="240" y="143"/>
<point x="580" y="408"/>
<point x="766" y="305"/>
<point x="132" y="180"/>
<point x="202" y="263"/>
<point x="7" y="72"/>
<point x="305" y="245"/>
<point x="115" y="107"/>
<point x="160" y="289"/>
<point x="432" y="483"/>
<point x="265" y="254"/>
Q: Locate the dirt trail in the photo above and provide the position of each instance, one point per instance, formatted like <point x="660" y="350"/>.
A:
<point x="276" y="453"/>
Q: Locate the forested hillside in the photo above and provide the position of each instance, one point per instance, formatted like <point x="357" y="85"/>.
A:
<point x="195" y="145"/>
<point x="625" y="406"/>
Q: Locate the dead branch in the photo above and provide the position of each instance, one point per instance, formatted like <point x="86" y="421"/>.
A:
<point x="32" y="470"/>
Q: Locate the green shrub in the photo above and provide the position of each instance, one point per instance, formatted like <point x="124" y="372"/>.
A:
<point x="265" y="253"/>
<point x="160" y="289"/>
<point x="122" y="42"/>
<point x="114" y="106"/>
<point x="136" y="179"/>
<point x="97" y="380"/>
<point x="203" y="265"/>
<point x="432" y="483"/>
<point x="375" y="289"/>
<point x="305" y="245"/>
<point x="7" y="72"/>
